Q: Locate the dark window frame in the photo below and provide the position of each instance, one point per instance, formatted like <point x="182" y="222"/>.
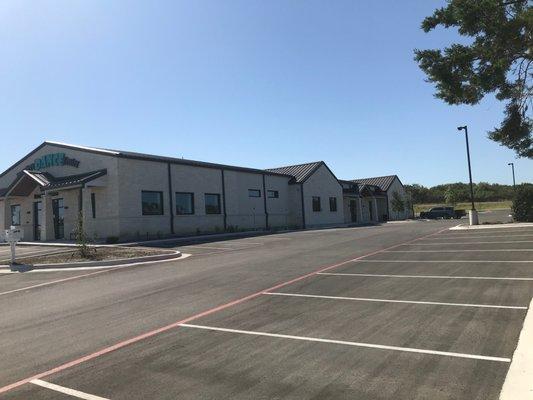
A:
<point x="192" y="203"/>
<point x="333" y="205"/>
<point x="19" y="214"/>
<point x="316" y="201"/>
<point x="160" y="193"/>
<point x="93" y="205"/>
<point x="273" y="194"/>
<point x="254" y="193"/>
<point x="218" y="206"/>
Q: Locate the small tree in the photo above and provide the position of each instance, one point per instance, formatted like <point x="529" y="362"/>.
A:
<point x="450" y="196"/>
<point x="398" y="204"/>
<point x="523" y="204"/>
<point x="81" y="239"/>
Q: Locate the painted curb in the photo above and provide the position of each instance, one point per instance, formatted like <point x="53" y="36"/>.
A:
<point x="106" y="263"/>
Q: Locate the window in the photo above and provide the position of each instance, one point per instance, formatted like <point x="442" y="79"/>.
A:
<point x="152" y="203"/>
<point x="273" y="194"/>
<point x="316" y="203"/>
<point x="212" y="203"/>
<point x="184" y="203"/>
<point x="254" y="193"/>
<point x="93" y="204"/>
<point x="332" y="204"/>
<point x="15" y="215"/>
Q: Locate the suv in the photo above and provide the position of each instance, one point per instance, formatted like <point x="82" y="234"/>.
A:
<point x="442" y="212"/>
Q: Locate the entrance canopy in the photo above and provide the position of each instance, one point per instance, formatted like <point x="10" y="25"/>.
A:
<point x="26" y="182"/>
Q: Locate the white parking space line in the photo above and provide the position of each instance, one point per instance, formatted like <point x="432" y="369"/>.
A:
<point x="428" y="276"/>
<point x="467" y="243"/>
<point x="65" y="390"/>
<point x="447" y="261"/>
<point x="518" y="383"/>
<point x="471" y="236"/>
<point x="452" y="251"/>
<point x="347" y="343"/>
<point x="432" y="303"/>
<point x="207" y="247"/>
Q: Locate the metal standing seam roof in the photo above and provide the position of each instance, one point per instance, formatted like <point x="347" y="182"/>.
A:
<point x="173" y="160"/>
<point x="142" y="156"/>
<point x="299" y="172"/>
<point x="73" y="180"/>
<point x="383" y="182"/>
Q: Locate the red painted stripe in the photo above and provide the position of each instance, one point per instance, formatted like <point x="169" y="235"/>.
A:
<point x="176" y="324"/>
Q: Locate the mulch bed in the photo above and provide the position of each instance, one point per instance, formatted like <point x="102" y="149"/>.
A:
<point x="96" y="254"/>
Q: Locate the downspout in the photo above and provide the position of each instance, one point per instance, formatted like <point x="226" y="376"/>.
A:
<point x="303" y="204"/>
<point x="388" y="209"/>
<point x="170" y="208"/>
<point x="80" y="199"/>
<point x="265" y="203"/>
<point x="224" y="199"/>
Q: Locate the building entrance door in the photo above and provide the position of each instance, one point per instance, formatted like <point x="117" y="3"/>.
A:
<point x="353" y="210"/>
<point x="59" y="218"/>
<point x="37" y="219"/>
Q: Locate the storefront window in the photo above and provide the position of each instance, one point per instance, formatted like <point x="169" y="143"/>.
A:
<point x="15" y="215"/>
<point x="212" y="203"/>
<point x="152" y="203"/>
<point x="184" y="203"/>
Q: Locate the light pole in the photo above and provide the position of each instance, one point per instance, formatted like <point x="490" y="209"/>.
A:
<point x="514" y="182"/>
<point x="465" y="128"/>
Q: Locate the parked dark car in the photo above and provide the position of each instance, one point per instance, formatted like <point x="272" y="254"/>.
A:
<point x="442" y="212"/>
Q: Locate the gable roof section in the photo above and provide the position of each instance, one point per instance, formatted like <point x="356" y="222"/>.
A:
<point x="141" y="156"/>
<point x="383" y="182"/>
<point x="48" y="182"/>
<point x="299" y="172"/>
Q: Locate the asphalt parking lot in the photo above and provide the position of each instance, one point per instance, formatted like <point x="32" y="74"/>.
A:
<point x="365" y="316"/>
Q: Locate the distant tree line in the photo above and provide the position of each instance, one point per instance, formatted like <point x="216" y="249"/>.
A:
<point x="460" y="192"/>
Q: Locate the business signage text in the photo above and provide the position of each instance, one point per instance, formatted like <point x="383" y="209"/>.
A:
<point x="53" y="160"/>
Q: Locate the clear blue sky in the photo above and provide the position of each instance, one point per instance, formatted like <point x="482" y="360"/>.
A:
<point x="245" y="82"/>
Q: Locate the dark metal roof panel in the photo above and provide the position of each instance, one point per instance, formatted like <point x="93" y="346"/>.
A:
<point x="299" y="172"/>
<point x="383" y="182"/>
<point x="74" y="180"/>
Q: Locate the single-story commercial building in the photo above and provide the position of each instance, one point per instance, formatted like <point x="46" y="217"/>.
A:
<point x="112" y="194"/>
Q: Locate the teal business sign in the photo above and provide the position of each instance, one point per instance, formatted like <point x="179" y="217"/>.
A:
<point x="53" y="160"/>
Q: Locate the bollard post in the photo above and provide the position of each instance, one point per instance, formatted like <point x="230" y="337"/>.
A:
<point x="13" y="248"/>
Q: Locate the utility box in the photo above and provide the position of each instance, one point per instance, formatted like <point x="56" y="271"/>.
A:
<point x="13" y="235"/>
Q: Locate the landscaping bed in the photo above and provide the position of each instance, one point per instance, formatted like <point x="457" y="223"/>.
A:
<point x="95" y="254"/>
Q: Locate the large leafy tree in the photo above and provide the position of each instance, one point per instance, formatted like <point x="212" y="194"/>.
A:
<point x="498" y="59"/>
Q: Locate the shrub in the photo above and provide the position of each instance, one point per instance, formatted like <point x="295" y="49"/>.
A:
<point x="523" y="204"/>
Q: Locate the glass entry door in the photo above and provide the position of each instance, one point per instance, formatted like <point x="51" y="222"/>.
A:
<point x="59" y="218"/>
<point x="37" y="219"/>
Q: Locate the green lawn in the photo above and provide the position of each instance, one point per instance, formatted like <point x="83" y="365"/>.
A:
<point x="480" y="206"/>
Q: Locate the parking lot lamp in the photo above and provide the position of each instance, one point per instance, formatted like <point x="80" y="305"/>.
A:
<point x="512" y="166"/>
<point x="473" y="212"/>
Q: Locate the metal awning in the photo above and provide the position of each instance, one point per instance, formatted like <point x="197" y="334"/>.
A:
<point x="26" y="182"/>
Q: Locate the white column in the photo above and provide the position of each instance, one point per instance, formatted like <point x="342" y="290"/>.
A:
<point x="359" y="210"/>
<point x="376" y="216"/>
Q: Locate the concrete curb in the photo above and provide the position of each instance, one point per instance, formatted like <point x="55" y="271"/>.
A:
<point x="103" y="263"/>
<point x="492" y="226"/>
